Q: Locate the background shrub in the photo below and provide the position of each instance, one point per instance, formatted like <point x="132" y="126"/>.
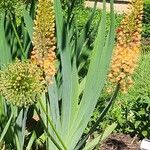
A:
<point x="77" y="3"/>
<point x="81" y="16"/>
<point x="131" y="110"/>
<point x="135" y="105"/>
<point x="146" y="21"/>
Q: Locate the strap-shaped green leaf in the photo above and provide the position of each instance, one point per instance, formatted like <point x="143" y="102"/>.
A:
<point x="54" y="106"/>
<point x="100" y="138"/>
<point x="21" y="126"/>
<point x="95" y="78"/>
<point x="5" y="53"/>
<point x="75" y="93"/>
<point x="64" y="47"/>
<point x="74" y="117"/>
<point x="28" y="22"/>
<point x="6" y="128"/>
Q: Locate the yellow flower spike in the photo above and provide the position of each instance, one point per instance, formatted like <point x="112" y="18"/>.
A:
<point x="44" y="41"/>
<point x="127" y="48"/>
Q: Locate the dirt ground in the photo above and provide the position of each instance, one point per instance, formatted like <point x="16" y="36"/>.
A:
<point x="120" y="142"/>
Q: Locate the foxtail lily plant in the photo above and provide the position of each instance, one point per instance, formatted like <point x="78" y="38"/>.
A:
<point x="49" y="78"/>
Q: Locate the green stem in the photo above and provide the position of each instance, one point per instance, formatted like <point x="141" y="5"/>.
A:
<point x="46" y="129"/>
<point x="17" y="37"/>
<point x="51" y="124"/>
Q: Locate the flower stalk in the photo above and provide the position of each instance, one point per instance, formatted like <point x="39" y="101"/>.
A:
<point x="44" y="41"/>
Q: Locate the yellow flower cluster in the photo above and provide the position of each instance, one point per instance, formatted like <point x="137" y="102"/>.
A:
<point x="44" y="41"/>
<point x="21" y="83"/>
<point x="127" y="49"/>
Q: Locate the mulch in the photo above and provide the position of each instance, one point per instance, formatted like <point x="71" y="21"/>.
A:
<point x="120" y="142"/>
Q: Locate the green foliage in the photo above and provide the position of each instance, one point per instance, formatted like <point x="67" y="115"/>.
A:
<point x="13" y="7"/>
<point x="146" y="15"/>
<point x="146" y="1"/>
<point x="14" y="42"/>
<point x="99" y="138"/>
<point x="146" y="31"/>
<point x="82" y="15"/>
<point x="75" y="115"/>
<point x="131" y="110"/>
<point x="65" y="108"/>
<point x="146" y="21"/>
<point x="146" y="48"/>
<point x="76" y="3"/>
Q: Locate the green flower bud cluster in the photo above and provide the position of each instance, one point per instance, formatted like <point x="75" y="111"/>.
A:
<point x="21" y="83"/>
<point x="13" y="6"/>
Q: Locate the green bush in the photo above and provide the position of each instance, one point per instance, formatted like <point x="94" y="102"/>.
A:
<point x="77" y="3"/>
<point x="146" y="21"/>
<point x="146" y="48"/>
<point x="82" y="14"/>
<point x="146" y="31"/>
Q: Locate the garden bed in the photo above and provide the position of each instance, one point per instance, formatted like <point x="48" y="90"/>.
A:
<point x="120" y="142"/>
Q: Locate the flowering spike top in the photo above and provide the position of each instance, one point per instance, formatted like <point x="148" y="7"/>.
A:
<point x="131" y="26"/>
<point x="21" y="83"/>
<point x="127" y="48"/>
<point x="44" y="41"/>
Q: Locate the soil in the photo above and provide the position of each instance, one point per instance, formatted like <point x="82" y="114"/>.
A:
<point x="120" y="142"/>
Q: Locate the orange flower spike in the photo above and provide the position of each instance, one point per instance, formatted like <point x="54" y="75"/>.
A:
<point x="44" y="40"/>
<point x="127" y="48"/>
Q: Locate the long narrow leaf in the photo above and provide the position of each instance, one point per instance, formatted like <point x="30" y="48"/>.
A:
<point x="92" y="77"/>
<point x="54" y="106"/>
<point x="6" y="128"/>
<point x="5" y="53"/>
<point x="28" y="22"/>
<point x="100" y="118"/>
<point x="97" y="140"/>
<point x="65" y="53"/>
<point x="20" y="126"/>
<point x="31" y="140"/>
<point x="75" y="93"/>
<point x="95" y="79"/>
